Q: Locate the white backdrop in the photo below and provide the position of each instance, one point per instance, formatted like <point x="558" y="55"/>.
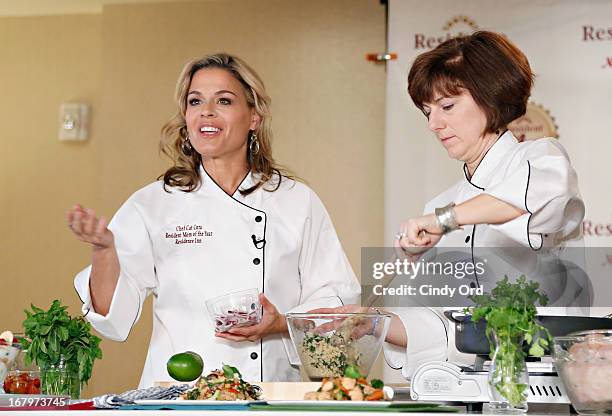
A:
<point x="569" y="46"/>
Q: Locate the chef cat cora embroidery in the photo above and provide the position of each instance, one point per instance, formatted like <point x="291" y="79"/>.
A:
<point x="188" y="234"/>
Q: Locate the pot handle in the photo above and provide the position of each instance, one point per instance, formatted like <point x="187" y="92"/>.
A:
<point x="455" y="316"/>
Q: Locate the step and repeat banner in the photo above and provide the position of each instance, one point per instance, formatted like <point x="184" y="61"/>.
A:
<point x="569" y="46"/>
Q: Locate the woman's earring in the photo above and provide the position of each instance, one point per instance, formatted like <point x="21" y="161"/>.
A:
<point x="254" y="144"/>
<point x="186" y="147"/>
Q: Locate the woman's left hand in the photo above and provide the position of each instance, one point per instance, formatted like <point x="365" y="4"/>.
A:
<point x="419" y="233"/>
<point x="272" y="322"/>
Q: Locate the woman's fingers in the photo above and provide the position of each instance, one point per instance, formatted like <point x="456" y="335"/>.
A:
<point x="101" y="226"/>
<point x="76" y="225"/>
<point x="338" y="309"/>
<point x="235" y="338"/>
<point x="87" y="227"/>
<point x="248" y="333"/>
<point x="327" y="326"/>
<point x="415" y="235"/>
<point x="89" y="222"/>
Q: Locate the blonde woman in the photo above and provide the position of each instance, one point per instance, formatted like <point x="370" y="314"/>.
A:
<point x="224" y="217"/>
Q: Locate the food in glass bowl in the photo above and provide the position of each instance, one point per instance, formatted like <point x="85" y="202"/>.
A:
<point x="9" y="350"/>
<point x="584" y="363"/>
<point x="329" y="342"/>
<point x="22" y="382"/>
<point x="235" y="310"/>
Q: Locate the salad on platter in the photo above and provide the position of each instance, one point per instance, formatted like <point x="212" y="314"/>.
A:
<point x="223" y="385"/>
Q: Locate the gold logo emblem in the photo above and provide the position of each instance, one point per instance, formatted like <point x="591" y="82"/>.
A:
<point x="535" y="124"/>
<point x="459" y="20"/>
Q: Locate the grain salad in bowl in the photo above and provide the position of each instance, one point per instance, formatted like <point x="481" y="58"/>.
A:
<point x="329" y="342"/>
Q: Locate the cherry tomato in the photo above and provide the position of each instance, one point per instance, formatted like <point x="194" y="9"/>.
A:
<point x="32" y="389"/>
<point x="20" y="388"/>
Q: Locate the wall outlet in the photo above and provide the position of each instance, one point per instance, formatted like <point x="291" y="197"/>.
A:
<point x="74" y="118"/>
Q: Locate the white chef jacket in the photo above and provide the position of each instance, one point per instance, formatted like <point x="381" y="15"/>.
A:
<point x="186" y="247"/>
<point x="535" y="176"/>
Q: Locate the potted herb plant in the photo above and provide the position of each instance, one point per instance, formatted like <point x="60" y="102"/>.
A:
<point x="63" y="347"/>
<point x="510" y="313"/>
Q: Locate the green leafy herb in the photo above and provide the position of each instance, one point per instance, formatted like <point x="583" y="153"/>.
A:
<point x="53" y="338"/>
<point x="352" y="371"/>
<point x="510" y="313"/>
<point x="229" y="372"/>
<point x="377" y="384"/>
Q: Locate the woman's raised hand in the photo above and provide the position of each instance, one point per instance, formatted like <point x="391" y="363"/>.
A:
<point x="418" y="234"/>
<point x="89" y="228"/>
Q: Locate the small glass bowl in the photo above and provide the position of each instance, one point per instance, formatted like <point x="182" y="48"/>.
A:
<point x="584" y="363"/>
<point x="8" y="355"/>
<point x="22" y="382"/>
<point x="235" y="310"/>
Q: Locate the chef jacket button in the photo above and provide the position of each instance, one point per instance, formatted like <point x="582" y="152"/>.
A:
<point x="254" y="356"/>
<point x="258" y="218"/>
<point x="467" y="239"/>
<point x="256" y="261"/>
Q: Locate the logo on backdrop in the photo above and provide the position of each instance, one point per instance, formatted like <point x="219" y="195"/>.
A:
<point x="456" y="26"/>
<point x="596" y="229"/>
<point x="536" y="123"/>
<point x="595" y="34"/>
<point x="598" y="34"/>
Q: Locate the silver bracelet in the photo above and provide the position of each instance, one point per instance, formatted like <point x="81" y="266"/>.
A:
<point x="446" y="218"/>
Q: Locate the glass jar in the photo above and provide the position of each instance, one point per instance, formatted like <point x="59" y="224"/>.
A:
<point x="508" y="379"/>
<point x="22" y="382"/>
<point x="8" y="355"/>
<point x="60" y="380"/>
<point x="22" y="378"/>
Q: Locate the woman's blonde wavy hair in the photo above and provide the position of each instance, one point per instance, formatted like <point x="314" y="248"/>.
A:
<point x="184" y="174"/>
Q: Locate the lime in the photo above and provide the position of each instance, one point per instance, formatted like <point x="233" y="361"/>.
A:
<point x="185" y="366"/>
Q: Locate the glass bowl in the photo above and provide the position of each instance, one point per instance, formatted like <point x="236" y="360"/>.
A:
<point x="327" y="342"/>
<point x="584" y="362"/>
<point x="8" y="355"/>
<point x="22" y="382"/>
<point x="234" y="310"/>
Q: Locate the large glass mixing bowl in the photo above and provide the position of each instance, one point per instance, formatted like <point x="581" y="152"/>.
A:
<point x="327" y="342"/>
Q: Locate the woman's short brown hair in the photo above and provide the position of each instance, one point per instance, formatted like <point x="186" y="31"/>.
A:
<point x="488" y="65"/>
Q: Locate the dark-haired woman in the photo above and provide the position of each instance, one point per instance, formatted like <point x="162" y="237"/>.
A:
<point x="511" y="194"/>
<point x="224" y="218"/>
<point x="512" y="198"/>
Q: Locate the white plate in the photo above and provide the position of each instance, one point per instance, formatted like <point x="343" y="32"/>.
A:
<point x="199" y="402"/>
